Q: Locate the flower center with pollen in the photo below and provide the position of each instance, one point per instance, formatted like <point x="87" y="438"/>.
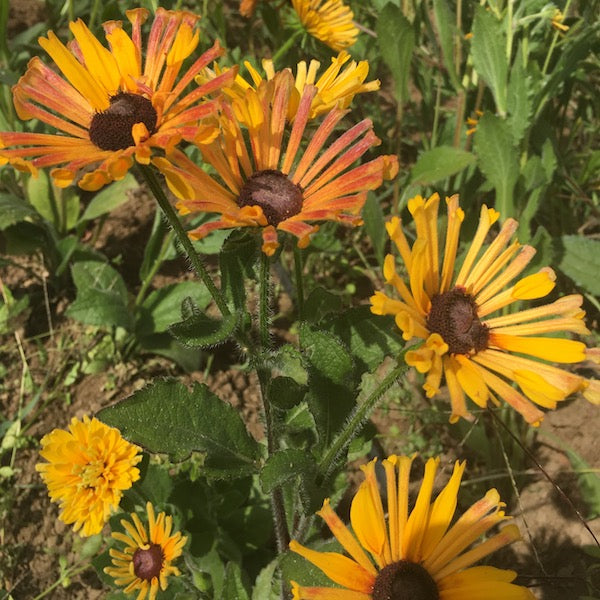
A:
<point x="278" y="197"/>
<point x="148" y="562"/>
<point x="453" y="315"/>
<point x="111" y="129"/>
<point x="404" y="580"/>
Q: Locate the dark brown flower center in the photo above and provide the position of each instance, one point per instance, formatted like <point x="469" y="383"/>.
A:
<point x="453" y="315"/>
<point x="148" y="563"/>
<point x="404" y="580"/>
<point x="278" y="197"/>
<point x="111" y="129"/>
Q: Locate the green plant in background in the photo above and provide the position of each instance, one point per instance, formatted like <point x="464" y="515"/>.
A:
<point x="284" y="156"/>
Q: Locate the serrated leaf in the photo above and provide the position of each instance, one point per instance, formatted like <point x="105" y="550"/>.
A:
<point x="581" y="262"/>
<point x="439" y="163"/>
<point x="162" y="307"/>
<point x="488" y="48"/>
<point x="109" y="198"/>
<point x="446" y="29"/>
<point x="14" y="210"/>
<point x="101" y="296"/>
<point x="497" y="159"/>
<point x="396" y="38"/>
<point x="200" y="331"/>
<point x="369" y="337"/>
<point x="166" y="417"/>
<point x="265" y="587"/>
<point x="321" y="302"/>
<point x="285" y="465"/>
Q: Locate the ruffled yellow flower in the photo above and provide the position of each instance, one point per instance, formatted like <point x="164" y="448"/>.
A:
<point x="413" y="555"/>
<point x="144" y="564"/>
<point x="111" y="105"/>
<point x="87" y="471"/>
<point x="482" y="355"/>
<point x="265" y="180"/>
<point x="329" y="21"/>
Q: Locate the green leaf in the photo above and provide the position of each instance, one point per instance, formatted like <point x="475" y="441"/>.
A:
<point x="445" y="24"/>
<point x="162" y="307"/>
<point x="237" y="260"/>
<point x="201" y="331"/>
<point x="109" y="198"/>
<point x="488" y="48"/>
<point x="101" y="296"/>
<point x="589" y="482"/>
<point x="267" y="583"/>
<point x="439" y="163"/>
<point x="285" y="392"/>
<point x="39" y="192"/>
<point x="158" y="247"/>
<point x="375" y="226"/>
<point x="166" y="417"/>
<point x="497" y="159"/>
<point x="14" y="210"/>
<point x="68" y="208"/>
<point x="321" y="302"/>
<point x="581" y="262"/>
<point x="234" y="587"/>
<point x="369" y="337"/>
<point x="396" y="38"/>
<point x="519" y="101"/>
<point x="286" y="465"/>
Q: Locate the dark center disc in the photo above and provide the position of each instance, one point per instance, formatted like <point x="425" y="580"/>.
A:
<point x="453" y="315"/>
<point x="278" y="197"/>
<point x="111" y="129"/>
<point x="148" y="563"/>
<point x="404" y="580"/>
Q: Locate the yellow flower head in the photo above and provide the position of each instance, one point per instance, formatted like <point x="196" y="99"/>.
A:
<point x="87" y="471"/>
<point x="111" y="105"/>
<point x="482" y="355"/>
<point x="144" y="564"/>
<point x="335" y="87"/>
<point x="418" y="554"/>
<point x="329" y="21"/>
<point x="265" y="180"/>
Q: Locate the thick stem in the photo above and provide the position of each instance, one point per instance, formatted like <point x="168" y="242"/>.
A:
<point x="357" y="420"/>
<point x="264" y="377"/>
<point x="182" y="237"/>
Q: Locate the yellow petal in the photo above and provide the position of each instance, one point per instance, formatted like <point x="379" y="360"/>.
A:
<point x="546" y="348"/>
<point x="339" y="568"/>
<point x="535" y="286"/>
<point x="471" y="381"/>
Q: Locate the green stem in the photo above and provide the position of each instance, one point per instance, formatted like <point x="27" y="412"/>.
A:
<point x="357" y="420"/>
<point x="182" y="237"/>
<point x="264" y="378"/>
<point x="76" y="569"/>
<point x="285" y="47"/>
<point x="554" y="40"/>
<point x="299" y="276"/>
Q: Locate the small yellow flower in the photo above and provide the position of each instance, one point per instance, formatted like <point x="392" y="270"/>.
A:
<point x="482" y="355"/>
<point x="111" y="105"/>
<point x="144" y="564"/>
<point x="557" y="21"/>
<point x="87" y="471"/>
<point x="394" y="553"/>
<point x="473" y="121"/>
<point x="265" y="179"/>
<point x="329" y="21"/>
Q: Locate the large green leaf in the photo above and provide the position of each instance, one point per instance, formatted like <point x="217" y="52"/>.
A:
<point x="447" y="32"/>
<point x="396" y="38"/>
<point x="286" y="465"/>
<point x="14" y="210"/>
<point x="489" y="54"/>
<point x="439" y="163"/>
<point x="110" y="197"/>
<point x="166" y="417"/>
<point x="519" y="98"/>
<point x="101" y="296"/>
<point x="234" y="586"/>
<point x="497" y="159"/>
<point x="201" y="331"/>
<point x="581" y="262"/>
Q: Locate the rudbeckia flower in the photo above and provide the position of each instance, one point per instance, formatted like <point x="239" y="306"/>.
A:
<point x="87" y="471"/>
<point x="335" y="87"/>
<point x="143" y="566"/>
<point x="416" y="555"/>
<point x="111" y="105"/>
<point x="267" y="181"/>
<point x="329" y="21"/>
<point x="482" y="355"/>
